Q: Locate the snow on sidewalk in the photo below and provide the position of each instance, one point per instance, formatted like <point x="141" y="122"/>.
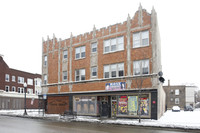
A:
<point x="184" y="120"/>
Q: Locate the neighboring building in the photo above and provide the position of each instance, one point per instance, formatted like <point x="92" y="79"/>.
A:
<point x="103" y="72"/>
<point x="179" y="95"/>
<point x="12" y="87"/>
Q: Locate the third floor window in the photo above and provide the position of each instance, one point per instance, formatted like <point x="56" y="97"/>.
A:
<point x="80" y="52"/>
<point x="141" y="39"/>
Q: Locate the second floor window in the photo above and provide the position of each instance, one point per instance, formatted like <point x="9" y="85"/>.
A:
<point x="7" y="78"/>
<point x="20" y="80"/>
<point x="65" y="75"/>
<point x="45" y="79"/>
<point x="114" y="44"/>
<point x="94" y="71"/>
<point x="30" y="81"/>
<point x="13" y="78"/>
<point x="20" y="90"/>
<point x="79" y="74"/>
<point x="114" y="70"/>
<point x="177" y="92"/>
<point x="80" y="52"/>
<point x="141" y="67"/>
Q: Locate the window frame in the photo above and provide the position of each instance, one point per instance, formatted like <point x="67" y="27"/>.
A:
<point x="138" y="39"/>
<point x="177" y="92"/>
<point x="92" y="68"/>
<point x="7" y="88"/>
<point x="65" y="74"/>
<point x="20" y="80"/>
<point x="45" y="60"/>
<point x="13" y="79"/>
<point x="94" y="47"/>
<point x="14" y="89"/>
<point x="141" y="67"/>
<point x="65" y="54"/>
<point x="45" y="79"/>
<point x="79" y="75"/>
<point x="29" y="81"/>
<point x="177" y="101"/>
<point x="81" y="50"/>
<point x="7" y="77"/>
<point x="110" y="70"/>
<point x="107" y="45"/>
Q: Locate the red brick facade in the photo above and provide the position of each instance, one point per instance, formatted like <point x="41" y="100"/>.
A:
<point x="53" y="49"/>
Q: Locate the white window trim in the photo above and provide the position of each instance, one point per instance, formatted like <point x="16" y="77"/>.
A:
<point x="8" y="88"/>
<point x="63" y="76"/>
<point x="141" y="70"/>
<point x="13" y="79"/>
<point x="64" y="54"/>
<point x="92" y="71"/>
<point x="117" y="70"/>
<point x="7" y="78"/>
<point x="14" y="89"/>
<point x="177" y="101"/>
<point x="117" y="45"/>
<point x="29" y="81"/>
<point x="177" y="92"/>
<point x="21" y="80"/>
<point x="140" y="37"/>
<point x="80" y="53"/>
<point x="79" y="74"/>
<point x="92" y="47"/>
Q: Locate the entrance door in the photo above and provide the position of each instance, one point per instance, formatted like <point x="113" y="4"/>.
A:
<point x="104" y="112"/>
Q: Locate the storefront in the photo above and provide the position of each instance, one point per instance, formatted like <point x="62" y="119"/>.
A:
<point x="114" y="104"/>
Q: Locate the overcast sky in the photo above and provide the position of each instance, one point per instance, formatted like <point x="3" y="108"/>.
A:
<point x="23" y="23"/>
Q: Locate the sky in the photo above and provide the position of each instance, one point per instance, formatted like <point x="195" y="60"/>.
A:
<point x="24" y="23"/>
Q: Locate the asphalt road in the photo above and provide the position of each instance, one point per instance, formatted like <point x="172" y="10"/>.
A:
<point x="26" y="125"/>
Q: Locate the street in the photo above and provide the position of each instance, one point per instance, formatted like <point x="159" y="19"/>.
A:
<point x="25" y="125"/>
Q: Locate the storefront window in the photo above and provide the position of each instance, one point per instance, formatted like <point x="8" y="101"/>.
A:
<point x="144" y="106"/>
<point x="85" y="105"/>
<point x="122" y="105"/>
<point x="132" y="105"/>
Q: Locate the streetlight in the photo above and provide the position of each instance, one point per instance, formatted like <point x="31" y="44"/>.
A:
<point x="25" y="85"/>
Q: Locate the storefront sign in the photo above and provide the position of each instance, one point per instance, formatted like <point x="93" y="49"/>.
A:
<point x="115" y="86"/>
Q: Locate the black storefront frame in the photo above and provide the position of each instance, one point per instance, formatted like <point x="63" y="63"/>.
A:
<point x="153" y="98"/>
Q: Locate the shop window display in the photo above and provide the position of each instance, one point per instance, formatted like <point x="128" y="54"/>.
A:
<point x="122" y="105"/>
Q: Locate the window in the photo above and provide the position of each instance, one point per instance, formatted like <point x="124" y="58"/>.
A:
<point x="65" y="75"/>
<point x="45" y="60"/>
<point x="176" y="100"/>
<point x="141" y="67"/>
<point x="121" y="69"/>
<point x="30" y="91"/>
<point x="20" y="90"/>
<point x="140" y="39"/>
<point x="114" y="70"/>
<point x="7" y="88"/>
<point x="94" y="47"/>
<point x="177" y="92"/>
<point x="45" y="79"/>
<point x="20" y="80"/>
<point x="30" y="81"/>
<point x="7" y="78"/>
<point x="172" y="99"/>
<point x="114" y="44"/>
<point x="80" y="52"/>
<point x="65" y="54"/>
<point x="13" y="89"/>
<point x="94" y="71"/>
<point x="13" y="78"/>
<point x="80" y="75"/>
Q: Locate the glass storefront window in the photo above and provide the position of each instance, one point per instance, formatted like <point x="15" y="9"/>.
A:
<point x="122" y="105"/>
<point x="132" y="105"/>
<point x="85" y="105"/>
<point x="144" y="106"/>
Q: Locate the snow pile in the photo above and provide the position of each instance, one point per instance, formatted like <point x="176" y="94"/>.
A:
<point x="184" y="120"/>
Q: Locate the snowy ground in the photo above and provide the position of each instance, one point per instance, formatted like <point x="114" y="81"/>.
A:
<point x="185" y="120"/>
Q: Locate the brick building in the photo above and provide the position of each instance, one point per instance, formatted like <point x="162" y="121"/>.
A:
<point x="106" y="72"/>
<point x="179" y="95"/>
<point x="12" y="89"/>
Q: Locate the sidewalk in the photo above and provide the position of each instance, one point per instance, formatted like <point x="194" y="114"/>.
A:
<point x="179" y="120"/>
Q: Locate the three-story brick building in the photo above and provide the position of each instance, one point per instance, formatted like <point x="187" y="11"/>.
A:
<point x="110" y="72"/>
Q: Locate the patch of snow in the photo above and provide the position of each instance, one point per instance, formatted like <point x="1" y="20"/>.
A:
<point x="182" y="119"/>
